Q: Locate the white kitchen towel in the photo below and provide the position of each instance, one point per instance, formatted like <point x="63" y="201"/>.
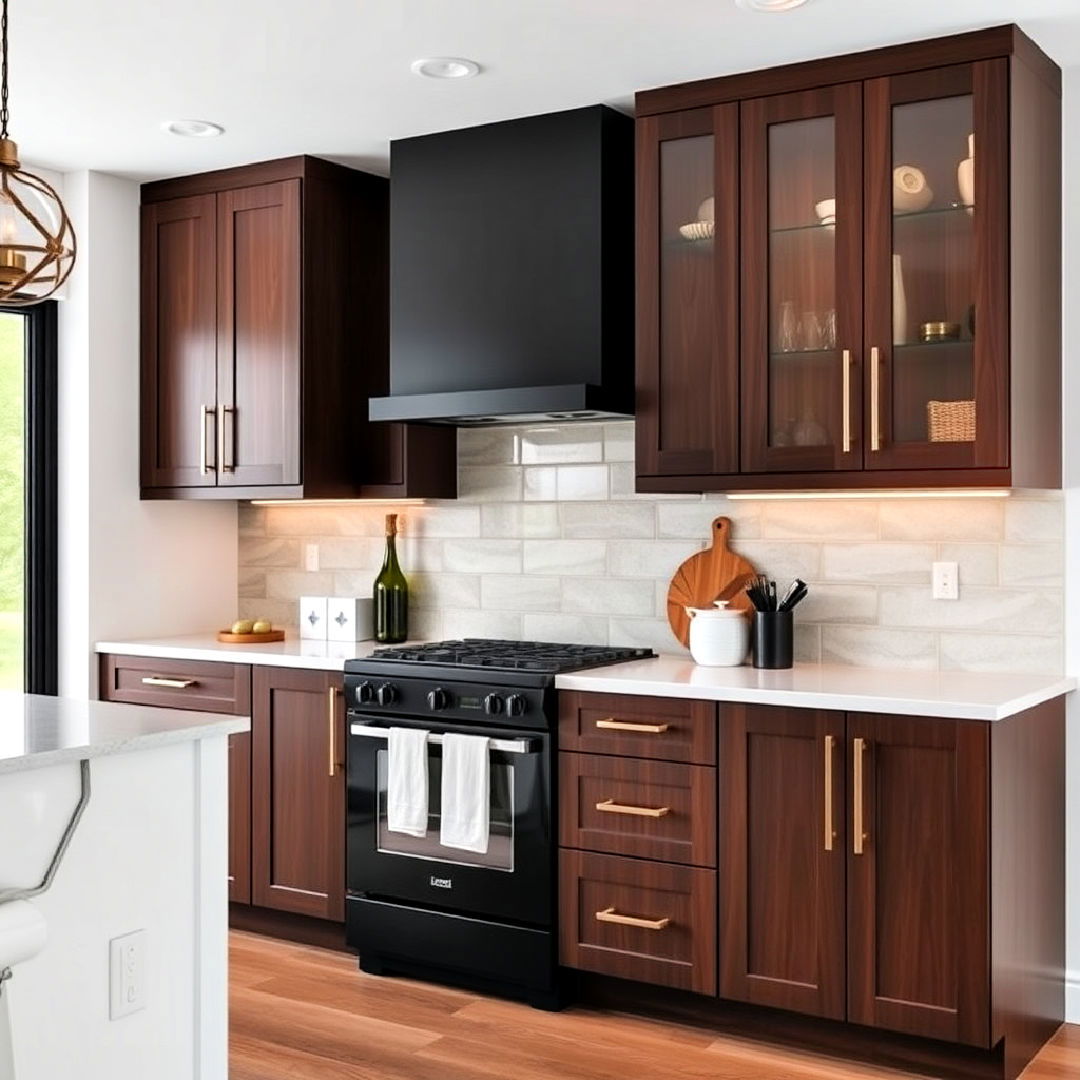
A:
<point x="407" y="782"/>
<point x="466" y="792"/>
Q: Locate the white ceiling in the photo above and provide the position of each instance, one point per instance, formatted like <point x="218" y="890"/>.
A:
<point x="92" y="81"/>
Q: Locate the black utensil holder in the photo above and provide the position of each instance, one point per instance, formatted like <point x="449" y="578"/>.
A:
<point x="773" y="639"/>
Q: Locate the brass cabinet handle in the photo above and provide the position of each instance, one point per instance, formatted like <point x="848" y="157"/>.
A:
<point x="845" y="361"/>
<point x="226" y="443"/>
<point x="331" y="696"/>
<point x="611" y="724"/>
<point x="859" y="826"/>
<point x="172" y="684"/>
<point x="875" y="398"/>
<point x="206" y="466"/>
<point x="610" y="806"/>
<point x="612" y="916"/>
<point x="830" y="832"/>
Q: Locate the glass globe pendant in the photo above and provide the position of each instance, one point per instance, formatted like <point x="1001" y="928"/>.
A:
<point x="37" y="242"/>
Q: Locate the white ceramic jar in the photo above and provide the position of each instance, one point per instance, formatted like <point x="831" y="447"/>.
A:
<point x="719" y="636"/>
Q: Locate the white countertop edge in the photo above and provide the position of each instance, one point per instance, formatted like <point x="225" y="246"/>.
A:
<point x="291" y="653"/>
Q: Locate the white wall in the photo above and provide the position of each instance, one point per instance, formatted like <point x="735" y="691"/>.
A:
<point x="127" y="568"/>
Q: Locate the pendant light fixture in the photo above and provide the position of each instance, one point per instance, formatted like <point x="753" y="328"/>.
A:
<point x="37" y="242"/>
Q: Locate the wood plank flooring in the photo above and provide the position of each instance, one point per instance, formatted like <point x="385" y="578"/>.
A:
<point x="300" y="1013"/>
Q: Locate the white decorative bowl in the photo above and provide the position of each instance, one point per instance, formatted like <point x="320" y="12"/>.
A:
<point x="697" y="230"/>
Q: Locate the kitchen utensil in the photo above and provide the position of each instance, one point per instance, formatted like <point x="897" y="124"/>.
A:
<point x="939" y="331"/>
<point x="230" y="638"/>
<point x="716" y="572"/>
<point x="773" y="639"/>
<point x="911" y="192"/>
<point x="810" y="331"/>
<point x="719" y="636"/>
<point x="788" y="329"/>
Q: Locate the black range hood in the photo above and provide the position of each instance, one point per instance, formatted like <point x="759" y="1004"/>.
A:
<point x="512" y="272"/>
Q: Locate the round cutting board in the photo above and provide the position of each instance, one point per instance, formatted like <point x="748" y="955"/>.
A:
<point x="716" y="573"/>
<point x="229" y="638"/>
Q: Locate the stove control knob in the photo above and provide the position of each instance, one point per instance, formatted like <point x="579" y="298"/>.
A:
<point x="437" y="699"/>
<point x="516" y="704"/>
<point x="493" y="704"/>
<point x="386" y="694"/>
<point x="365" y="692"/>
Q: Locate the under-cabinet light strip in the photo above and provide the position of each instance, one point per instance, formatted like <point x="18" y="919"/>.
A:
<point x="934" y="493"/>
<point x="337" y="502"/>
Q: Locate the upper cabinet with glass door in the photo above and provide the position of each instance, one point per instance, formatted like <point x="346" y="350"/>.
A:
<point x="898" y="267"/>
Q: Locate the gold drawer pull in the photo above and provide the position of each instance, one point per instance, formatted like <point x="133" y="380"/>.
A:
<point x="858" y="809"/>
<point x="610" y="806"/>
<point x="172" y="684"/>
<point x="609" y="914"/>
<point x="611" y="724"/>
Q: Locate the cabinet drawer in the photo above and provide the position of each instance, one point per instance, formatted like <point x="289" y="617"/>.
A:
<point x="667" y="729"/>
<point x="648" y="921"/>
<point x="649" y="809"/>
<point x="177" y="684"/>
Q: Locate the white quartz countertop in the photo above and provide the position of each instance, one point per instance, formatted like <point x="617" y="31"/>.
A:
<point x="952" y="694"/>
<point x="292" y="652"/>
<point x="36" y="732"/>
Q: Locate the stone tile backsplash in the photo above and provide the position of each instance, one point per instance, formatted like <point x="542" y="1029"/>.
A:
<point x="548" y="540"/>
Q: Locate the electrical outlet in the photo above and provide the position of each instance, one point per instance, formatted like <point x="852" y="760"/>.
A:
<point x="311" y="557"/>
<point x="127" y="974"/>
<point x="946" y="578"/>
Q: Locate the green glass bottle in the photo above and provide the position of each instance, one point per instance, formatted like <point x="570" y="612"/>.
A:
<point x="391" y="593"/>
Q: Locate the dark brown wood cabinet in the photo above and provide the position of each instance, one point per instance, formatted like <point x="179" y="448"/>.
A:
<point x="298" y="792"/>
<point x="240" y="818"/>
<point x="265" y="313"/>
<point x="849" y="272"/>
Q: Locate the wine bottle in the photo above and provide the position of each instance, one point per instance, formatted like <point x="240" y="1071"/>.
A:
<point x="391" y="593"/>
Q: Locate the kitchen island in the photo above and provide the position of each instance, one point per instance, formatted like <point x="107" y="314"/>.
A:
<point x="148" y="853"/>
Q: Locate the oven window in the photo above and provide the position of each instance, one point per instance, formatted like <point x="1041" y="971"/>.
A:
<point x="500" y="852"/>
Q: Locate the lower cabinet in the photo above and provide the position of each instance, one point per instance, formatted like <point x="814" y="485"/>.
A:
<point x="240" y="818"/>
<point x="298" y="792"/>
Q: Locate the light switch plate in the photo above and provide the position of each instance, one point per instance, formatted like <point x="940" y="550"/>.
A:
<point x="127" y="974"/>
<point x="946" y="578"/>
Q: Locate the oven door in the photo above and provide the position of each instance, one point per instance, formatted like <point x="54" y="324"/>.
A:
<point x="513" y="880"/>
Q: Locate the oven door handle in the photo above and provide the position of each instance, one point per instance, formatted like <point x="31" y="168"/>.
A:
<point x="503" y="746"/>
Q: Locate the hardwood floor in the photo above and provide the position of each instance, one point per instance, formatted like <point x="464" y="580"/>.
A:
<point x="300" y="1013"/>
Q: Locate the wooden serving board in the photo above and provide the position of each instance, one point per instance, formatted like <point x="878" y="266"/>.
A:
<point x="716" y="573"/>
<point x="229" y="638"/>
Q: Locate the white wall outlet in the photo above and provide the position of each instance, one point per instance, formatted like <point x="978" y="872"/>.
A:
<point x="311" y="557"/>
<point x="946" y="578"/>
<point x="127" y="974"/>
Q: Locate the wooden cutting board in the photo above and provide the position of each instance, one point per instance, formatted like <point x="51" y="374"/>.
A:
<point x="716" y="573"/>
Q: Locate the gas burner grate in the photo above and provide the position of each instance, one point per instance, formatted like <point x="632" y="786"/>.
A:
<point x="545" y="657"/>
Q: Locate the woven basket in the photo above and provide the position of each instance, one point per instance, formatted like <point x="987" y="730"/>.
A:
<point x="951" y="421"/>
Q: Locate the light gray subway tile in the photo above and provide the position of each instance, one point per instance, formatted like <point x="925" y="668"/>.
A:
<point x="251" y="583"/>
<point x="444" y="590"/>
<point x="417" y="555"/>
<point x="426" y="624"/>
<point x="807" y="644"/>
<point x="644" y="634"/>
<point x="496" y="445"/>
<point x="840" y="604"/>
<point x="520" y="520"/>
<point x="1034" y="519"/>
<point x="829" y="519"/>
<point x="557" y="444"/>
<point x="623" y="484"/>
<point x="608" y="596"/>
<point x="284" y="614"/>
<point x="942" y="519"/>
<point x="1032" y="564"/>
<point x="489" y="483"/>
<point x="582" y="482"/>
<point x="979" y="608"/>
<point x="442" y="520"/>
<point x="250" y="520"/>
<point x="648" y="558"/>
<point x="873" y="646"/>
<point x="1019" y="653"/>
<point x="359" y="553"/>
<point x="489" y="624"/>
<point x="977" y="563"/>
<point x="354" y="583"/>
<point x="292" y="584"/>
<point x="619" y="441"/>
<point x="482" y="556"/>
<point x="781" y="559"/>
<point x="303" y="520"/>
<point x="694" y="518"/>
<point x="269" y="551"/>
<point x="519" y="592"/>
<point x="565" y="556"/>
<point x="541" y="483"/>
<point x="877" y="562"/>
<point x="575" y="629"/>
<point x="618" y="520"/>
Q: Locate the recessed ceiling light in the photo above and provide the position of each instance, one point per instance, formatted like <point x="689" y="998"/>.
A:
<point x="445" y="67"/>
<point x="774" y="6"/>
<point x="193" y="129"/>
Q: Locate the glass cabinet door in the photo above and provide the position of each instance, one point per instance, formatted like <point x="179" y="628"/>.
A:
<point x="937" y="299"/>
<point x="801" y="281"/>
<point x="687" y="299"/>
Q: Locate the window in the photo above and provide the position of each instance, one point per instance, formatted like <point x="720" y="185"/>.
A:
<point x="28" y="608"/>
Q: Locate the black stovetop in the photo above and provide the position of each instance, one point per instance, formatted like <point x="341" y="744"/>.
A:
<point x="544" y="657"/>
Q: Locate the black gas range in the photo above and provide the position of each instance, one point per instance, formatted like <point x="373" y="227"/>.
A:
<point x="485" y="920"/>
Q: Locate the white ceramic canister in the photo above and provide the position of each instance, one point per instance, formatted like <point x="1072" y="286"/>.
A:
<point x="719" y="636"/>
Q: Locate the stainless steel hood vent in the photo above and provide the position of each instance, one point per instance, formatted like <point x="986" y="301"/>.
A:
<point x="511" y="272"/>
